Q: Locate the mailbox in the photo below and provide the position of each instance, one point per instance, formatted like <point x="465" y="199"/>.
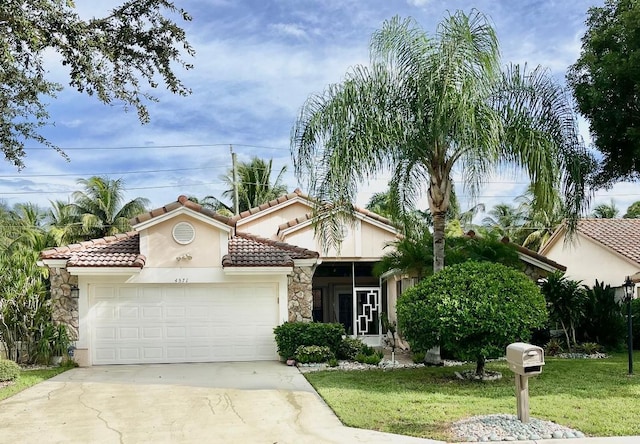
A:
<point x="525" y="359"/>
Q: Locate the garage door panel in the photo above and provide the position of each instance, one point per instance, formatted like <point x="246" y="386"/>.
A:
<point x="138" y="324"/>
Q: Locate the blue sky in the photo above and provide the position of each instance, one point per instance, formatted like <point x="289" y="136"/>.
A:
<point x="256" y="62"/>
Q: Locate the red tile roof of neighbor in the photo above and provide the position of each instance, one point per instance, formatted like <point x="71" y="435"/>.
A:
<point x="620" y="235"/>
<point x="246" y="250"/>
<point x="121" y="250"/>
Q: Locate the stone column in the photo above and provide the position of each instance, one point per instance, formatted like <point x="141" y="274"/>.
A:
<point x="300" y="294"/>
<point x="64" y="308"/>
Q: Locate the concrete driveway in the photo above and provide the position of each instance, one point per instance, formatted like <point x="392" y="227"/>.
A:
<point x="243" y="402"/>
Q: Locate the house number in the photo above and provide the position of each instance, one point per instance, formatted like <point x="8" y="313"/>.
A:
<point x="181" y="280"/>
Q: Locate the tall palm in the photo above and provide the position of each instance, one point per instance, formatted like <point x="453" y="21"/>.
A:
<point x="426" y="105"/>
<point x="64" y="223"/>
<point x="254" y="183"/>
<point x="101" y="209"/>
<point x="606" y="211"/>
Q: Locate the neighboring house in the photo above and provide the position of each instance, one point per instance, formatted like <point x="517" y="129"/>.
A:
<point x="604" y="249"/>
<point x="189" y="285"/>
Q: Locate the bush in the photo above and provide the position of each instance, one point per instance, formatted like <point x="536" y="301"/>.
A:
<point x="474" y="310"/>
<point x="590" y="348"/>
<point x="333" y="362"/>
<point x="313" y="353"/>
<point x="291" y="335"/>
<point x="604" y="319"/>
<point x="9" y="370"/>
<point x="349" y="348"/>
<point x="553" y="347"/>
<point x="418" y="357"/>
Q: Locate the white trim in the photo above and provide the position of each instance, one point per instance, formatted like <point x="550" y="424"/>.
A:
<point x="536" y="262"/>
<point x="88" y="271"/>
<point x="54" y="263"/>
<point x="357" y="233"/>
<point x="306" y="262"/>
<point x="266" y="211"/>
<point x="362" y="217"/>
<point x="178" y="212"/>
<point x="231" y="271"/>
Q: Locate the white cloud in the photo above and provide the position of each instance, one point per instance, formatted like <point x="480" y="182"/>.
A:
<point x="418" y="3"/>
<point x="289" y="29"/>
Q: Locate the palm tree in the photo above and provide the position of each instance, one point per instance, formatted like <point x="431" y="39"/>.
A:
<point x="214" y="204"/>
<point x="504" y="220"/>
<point x="100" y="207"/>
<point x="606" y="211"/>
<point x="64" y="223"/>
<point x="254" y="183"/>
<point x="540" y="223"/>
<point x="426" y="105"/>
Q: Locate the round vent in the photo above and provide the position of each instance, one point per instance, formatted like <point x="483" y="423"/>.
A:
<point x="184" y="233"/>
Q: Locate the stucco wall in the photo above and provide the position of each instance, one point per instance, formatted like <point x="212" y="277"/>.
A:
<point x="162" y="251"/>
<point x="587" y="261"/>
<point x="267" y="224"/>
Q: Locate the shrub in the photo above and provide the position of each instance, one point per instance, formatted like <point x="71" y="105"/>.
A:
<point x="418" y="357"/>
<point x="604" y="319"/>
<point x="373" y="359"/>
<point x="474" y="310"/>
<point x="553" y="347"/>
<point x="333" y="362"/>
<point x="9" y="370"/>
<point x="291" y="335"/>
<point x="313" y="353"/>
<point x="349" y="348"/>
<point x="590" y="348"/>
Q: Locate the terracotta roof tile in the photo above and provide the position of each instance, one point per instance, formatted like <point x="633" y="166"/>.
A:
<point x="620" y="235"/>
<point x="271" y="203"/>
<point x="121" y="250"/>
<point x="182" y="201"/>
<point x="246" y="250"/>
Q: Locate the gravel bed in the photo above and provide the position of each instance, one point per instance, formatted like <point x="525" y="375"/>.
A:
<point x="491" y="428"/>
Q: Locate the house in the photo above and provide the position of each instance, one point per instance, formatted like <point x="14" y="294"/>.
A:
<point x="604" y="249"/>
<point x="190" y="285"/>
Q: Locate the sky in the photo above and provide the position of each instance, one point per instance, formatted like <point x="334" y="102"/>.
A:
<point x="256" y="63"/>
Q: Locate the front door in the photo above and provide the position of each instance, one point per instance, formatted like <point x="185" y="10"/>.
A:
<point x="345" y="311"/>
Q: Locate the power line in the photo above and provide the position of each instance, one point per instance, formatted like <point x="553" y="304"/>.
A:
<point x="153" y="147"/>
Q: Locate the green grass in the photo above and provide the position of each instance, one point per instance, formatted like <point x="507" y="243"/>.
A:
<point x="594" y="396"/>
<point x="30" y="378"/>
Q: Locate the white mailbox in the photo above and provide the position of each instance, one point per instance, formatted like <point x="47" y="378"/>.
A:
<point x="525" y="359"/>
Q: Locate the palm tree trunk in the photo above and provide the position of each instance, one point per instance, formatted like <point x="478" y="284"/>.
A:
<point x="438" y="241"/>
<point x="480" y="366"/>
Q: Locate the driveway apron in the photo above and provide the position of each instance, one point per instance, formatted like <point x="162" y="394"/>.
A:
<point x="240" y="402"/>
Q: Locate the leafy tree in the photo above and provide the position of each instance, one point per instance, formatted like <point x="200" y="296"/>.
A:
<point x="254" y="183"/>
<point x="566" y="299"/>
<point x="108" y="57"/>
<point x="100" y="209"/>
<point x="606" y="211"/>
<point x="426" y="105"/>
<point x="473" y="309"/>
<point x="605" y="82"/>
<point x="633" y="211"/>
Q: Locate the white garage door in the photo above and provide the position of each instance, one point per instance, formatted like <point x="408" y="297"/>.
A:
<point x="164" y="324"/>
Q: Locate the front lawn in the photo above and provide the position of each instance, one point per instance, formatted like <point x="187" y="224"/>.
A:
<point x="594" y="396"/>
<point x="29" y="378"/>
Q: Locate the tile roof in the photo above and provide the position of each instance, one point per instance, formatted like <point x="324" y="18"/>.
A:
<point x="120" y="250"/>
<point x="620" y="235"/>
<point x="246" y="250"/>
<point x="298" y="193"/>
<point x="182" y="201"/>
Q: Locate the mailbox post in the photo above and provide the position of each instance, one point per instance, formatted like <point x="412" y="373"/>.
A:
<point x="524" y="360"/>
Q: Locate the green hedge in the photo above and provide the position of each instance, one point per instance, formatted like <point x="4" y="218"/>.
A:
<point x="291" y="335"/>
<point x="9" y="370"/>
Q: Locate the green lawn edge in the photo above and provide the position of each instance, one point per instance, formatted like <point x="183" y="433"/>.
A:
<point x="29" y="378"/>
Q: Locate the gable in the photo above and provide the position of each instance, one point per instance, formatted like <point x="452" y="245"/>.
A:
<point x="364" y="240"/>
<point x="162" y="250"/>
<point x="266" y="222"/>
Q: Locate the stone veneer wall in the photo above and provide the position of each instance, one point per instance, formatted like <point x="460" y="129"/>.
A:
<point x="64" y="308"/>
<point x="534" y="272"/>
<point x="300" y="294"/>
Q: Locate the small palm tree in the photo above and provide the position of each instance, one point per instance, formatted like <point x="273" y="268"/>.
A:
<point x="100" y="207"/>
<point x="505" y="221"/>
<point x="606" y="211"/>
<point x="254" y="183"/>
<point x="566" y="301"/>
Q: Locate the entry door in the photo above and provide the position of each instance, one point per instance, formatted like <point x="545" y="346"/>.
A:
<point x="368" y="306"/>
<point x="345" y="311"/>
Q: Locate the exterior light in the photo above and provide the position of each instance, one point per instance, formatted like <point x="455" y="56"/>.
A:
<point x="629" y="290"/>
<point x="75" y="292"/>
